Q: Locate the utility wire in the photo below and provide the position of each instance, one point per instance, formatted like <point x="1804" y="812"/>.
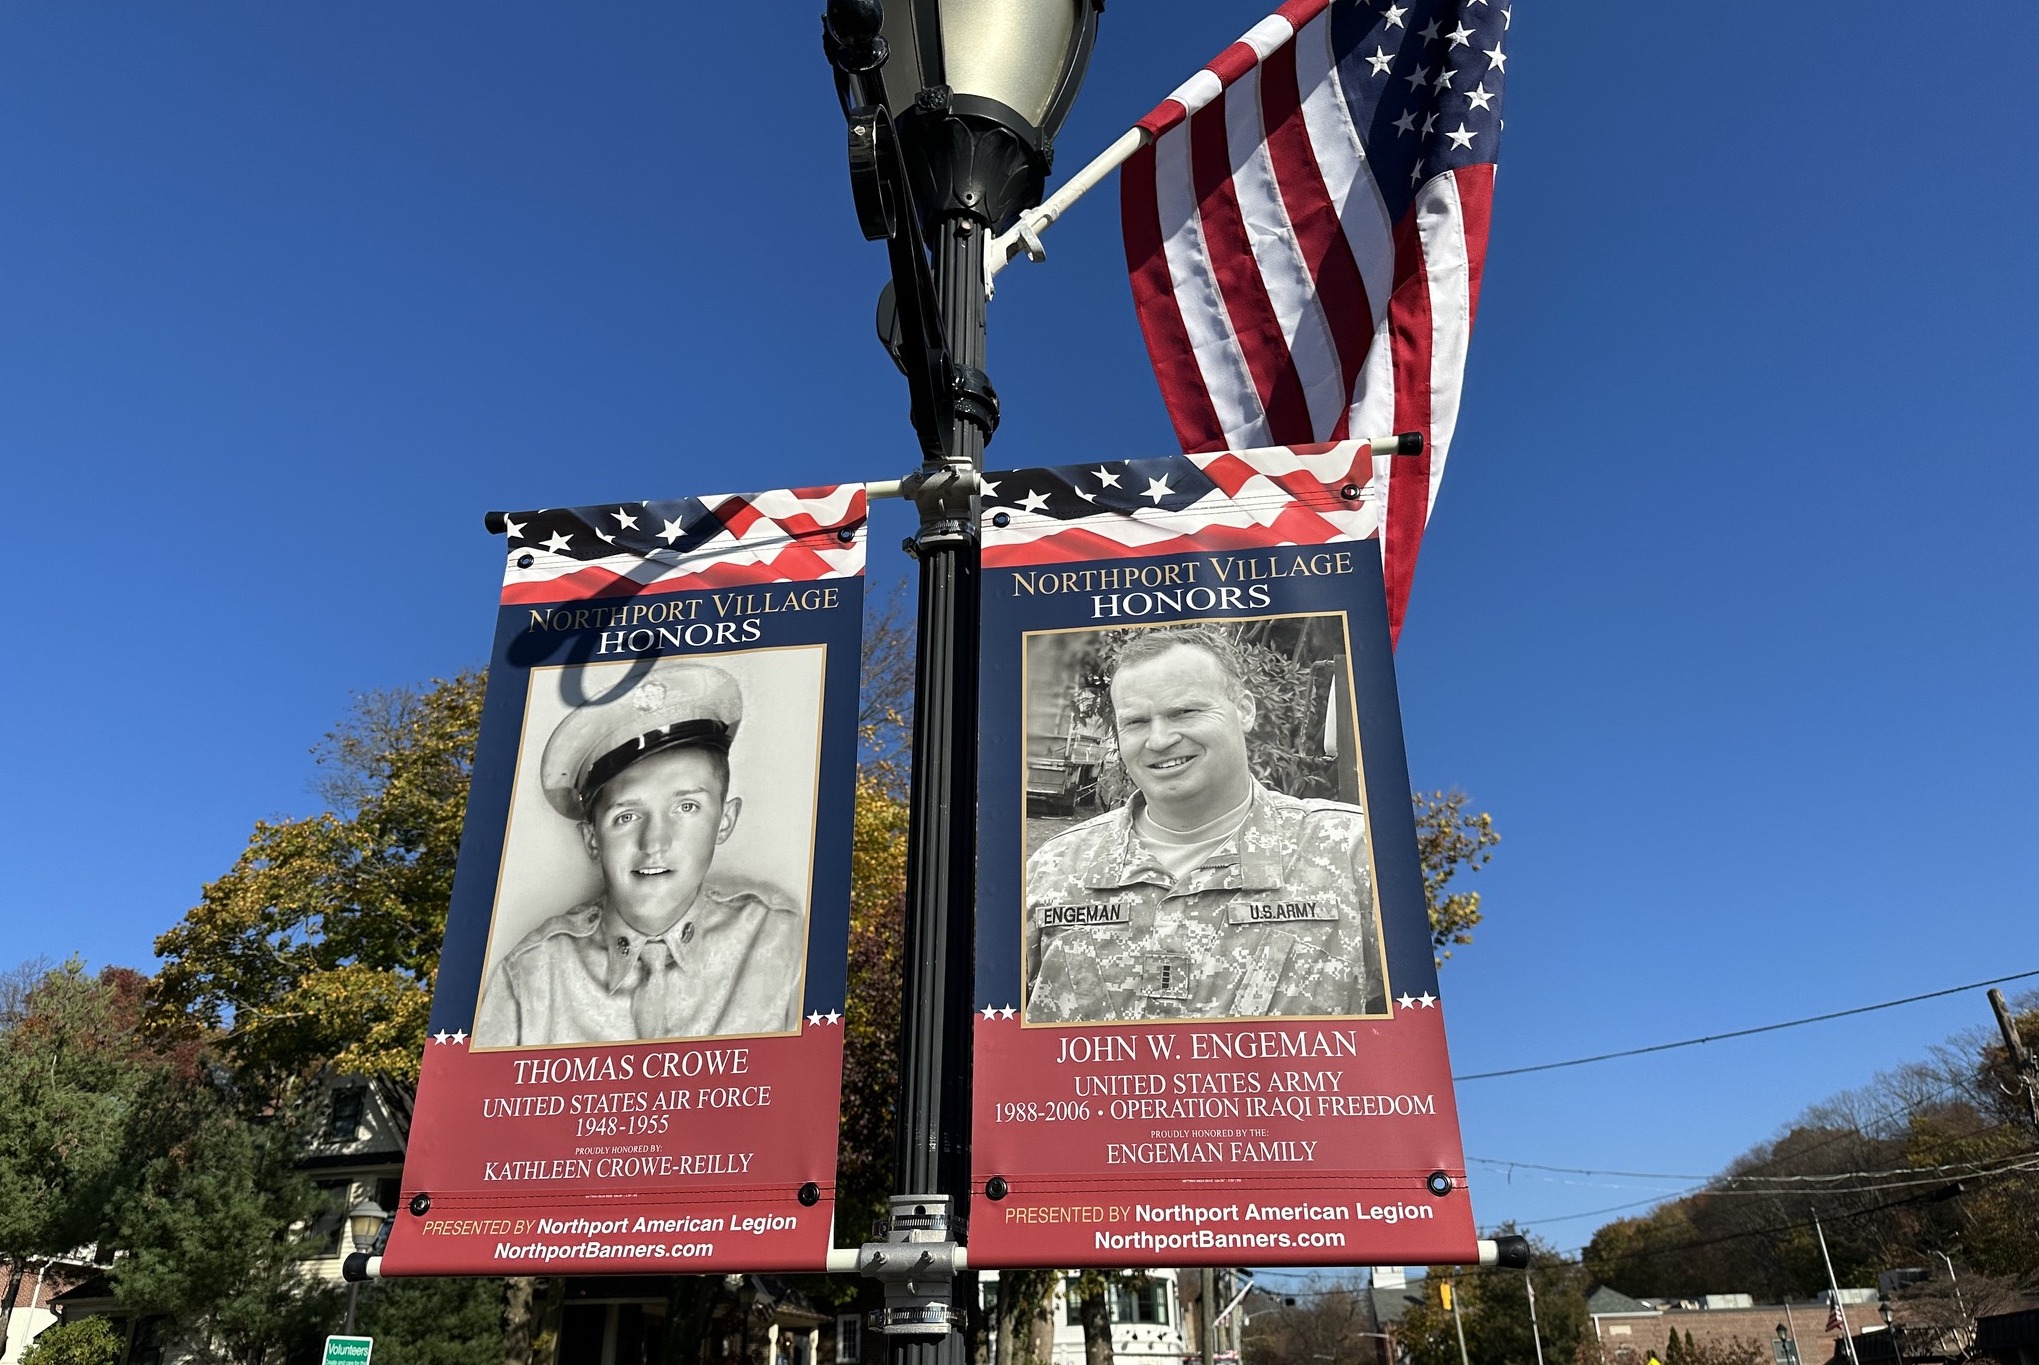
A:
<point x="1742" y="1032"/>
<point x="1707" y="1181"/>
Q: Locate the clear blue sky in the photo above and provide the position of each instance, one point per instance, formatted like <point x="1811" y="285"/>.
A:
<point x="1727" y="613"/>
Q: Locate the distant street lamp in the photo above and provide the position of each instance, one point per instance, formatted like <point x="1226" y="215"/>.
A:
<point x="364" y="1226"/>
<point x="1883" y="1306"/>
<point x="952" y="106"/>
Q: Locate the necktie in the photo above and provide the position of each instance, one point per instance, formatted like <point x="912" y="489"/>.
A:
<point x="657" y="998"/>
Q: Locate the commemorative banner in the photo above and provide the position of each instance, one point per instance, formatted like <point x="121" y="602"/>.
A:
<point x="1208" y="1027"/>
<point x="635" y="1058"/>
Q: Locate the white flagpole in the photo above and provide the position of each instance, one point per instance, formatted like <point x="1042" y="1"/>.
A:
<point x="1847" y="1332"/>
<point x="1025" y="235"/>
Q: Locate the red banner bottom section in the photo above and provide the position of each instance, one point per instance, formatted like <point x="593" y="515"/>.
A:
<point x="682" y="1157"/>
<point x="1273" y="1142"/>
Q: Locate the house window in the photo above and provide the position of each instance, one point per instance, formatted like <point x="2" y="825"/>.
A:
<point x="350" y="1106"/>
<point x="849" y="1339"/>
<point x="331" y="1225"/>
<point x="1144" y="1302"/>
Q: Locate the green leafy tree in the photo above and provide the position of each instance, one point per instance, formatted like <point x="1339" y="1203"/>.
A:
<point x="88" y="1341"/>
<point x="73" y="1060"/>
<point x="1494" y="1305"/>
<point x="319" y="948"/>
<point x="216" y="1230"/>
<point x="1451" y="840"/>
<point x="434" y="1321"/>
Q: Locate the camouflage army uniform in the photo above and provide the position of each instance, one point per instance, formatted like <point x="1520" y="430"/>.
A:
<point x="1279" y="920"/>
<point x="739" y="954"/>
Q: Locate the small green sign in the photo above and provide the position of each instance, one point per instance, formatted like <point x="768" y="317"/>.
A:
<point x="348" y="1350"/>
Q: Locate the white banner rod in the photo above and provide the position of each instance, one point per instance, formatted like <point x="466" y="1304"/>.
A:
<point x="1025" y="235"/>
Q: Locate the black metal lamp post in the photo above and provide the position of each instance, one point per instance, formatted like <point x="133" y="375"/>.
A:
<point x="952" y="105"/>
<point x="364" y="1228"/>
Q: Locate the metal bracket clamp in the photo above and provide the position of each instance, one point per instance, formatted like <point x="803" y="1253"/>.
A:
<point x="947" y="499"/>
<point x="917" y="1264"/>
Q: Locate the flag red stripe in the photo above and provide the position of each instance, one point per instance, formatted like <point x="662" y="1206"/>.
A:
<point x="1476" y="207"/>
<point x="1255" y="328"/>
<point x="1182" y="386"/>
<point x="1408" y="477"/>
<point x="794" y="566"/>
<point x="1078" y="544"/>
<point x="1341" y="293"/>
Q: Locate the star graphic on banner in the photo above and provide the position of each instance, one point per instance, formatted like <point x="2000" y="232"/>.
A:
<point x="1087" y="497"/>
<point x="1394" y="15"/>
<point x="440" y="1037"/>
<point x="1427" y="1000"/>
<point x="1429" y="122"/>
<point x="460" y="1035"/>
<point x="1415" y="172"/>
<point x="1407" y="122"/>
<point x="1507" y="18"/>
<point x="1479" y="96"/>
<point x="1380" y="61"/>
<point x="1106" y="477"/>
<point x="1007" y="1012"/>
<point x="1034" y="501"/>
<point x="1497" y="58"/>
<point x="1157" y="489"/>
<point x="624" y="520"/>
<point x="1443" y="81"/>
<point x="1460" y="36"/>
<point x="512" y="529"/>
<point x="988" y="487"/>
<point x="1461" y="138"/>
<point x="1406" y="1001"/>
<point x="1417" y="77"/>
<point x="672" y="532"/>
<point x="991" y="1011"/>
<point x="832" y="1017"/>
<point x="1429" y="33"/>
<point x="814" y="1019"/>
<point x="604" y="536"/>
<point x="558" y="542"/>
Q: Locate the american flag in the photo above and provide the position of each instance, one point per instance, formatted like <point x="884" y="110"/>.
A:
<point x="1836" y="1320"/>
<point x="787" y="535"/>
<point x="1230" y="500"/>
<point x="1307" y="229"/>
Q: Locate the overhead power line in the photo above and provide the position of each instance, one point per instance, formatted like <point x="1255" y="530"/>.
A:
<point x="1742" y="1032"/>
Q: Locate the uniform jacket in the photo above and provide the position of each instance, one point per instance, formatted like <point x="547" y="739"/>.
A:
<point x="1280" y="920"/>
<point x="740" y="953"/>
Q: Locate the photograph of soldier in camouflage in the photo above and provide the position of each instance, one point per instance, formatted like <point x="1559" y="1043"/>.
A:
<point x="655" y="870"/>
<point x="1197" y="842"/>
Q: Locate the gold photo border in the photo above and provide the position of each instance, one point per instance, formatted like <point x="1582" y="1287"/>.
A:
<point x="813" y="837"/>
<point x="1359" y="761"/>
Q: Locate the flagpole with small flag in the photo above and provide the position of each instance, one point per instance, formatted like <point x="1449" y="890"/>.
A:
<point x="1837" y="1317"/>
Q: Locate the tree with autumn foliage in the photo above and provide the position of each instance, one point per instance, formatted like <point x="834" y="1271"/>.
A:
<point x="320" y="946"/>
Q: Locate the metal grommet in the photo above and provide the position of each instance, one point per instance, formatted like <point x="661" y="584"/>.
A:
<point x="810" y="1194"/>
<point x="996" y="1188"/>
<point x="1001" y="519"/>
<point x="1439" y="1184"/>
<point x="421" y="1204"/>
<point x="846" y="534"/>
<point x="1349" y="492"/>
<point x="526" y="561"/>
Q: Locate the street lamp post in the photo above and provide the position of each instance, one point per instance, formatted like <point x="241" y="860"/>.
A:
<point x="1883" y="1307"/>
<point x="952" y="106"/>
<point x="364" y="1228"/>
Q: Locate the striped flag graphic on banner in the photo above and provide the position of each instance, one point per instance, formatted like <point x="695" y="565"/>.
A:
<point x="786" y="535"/>
<point x="1306" y="233"/>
